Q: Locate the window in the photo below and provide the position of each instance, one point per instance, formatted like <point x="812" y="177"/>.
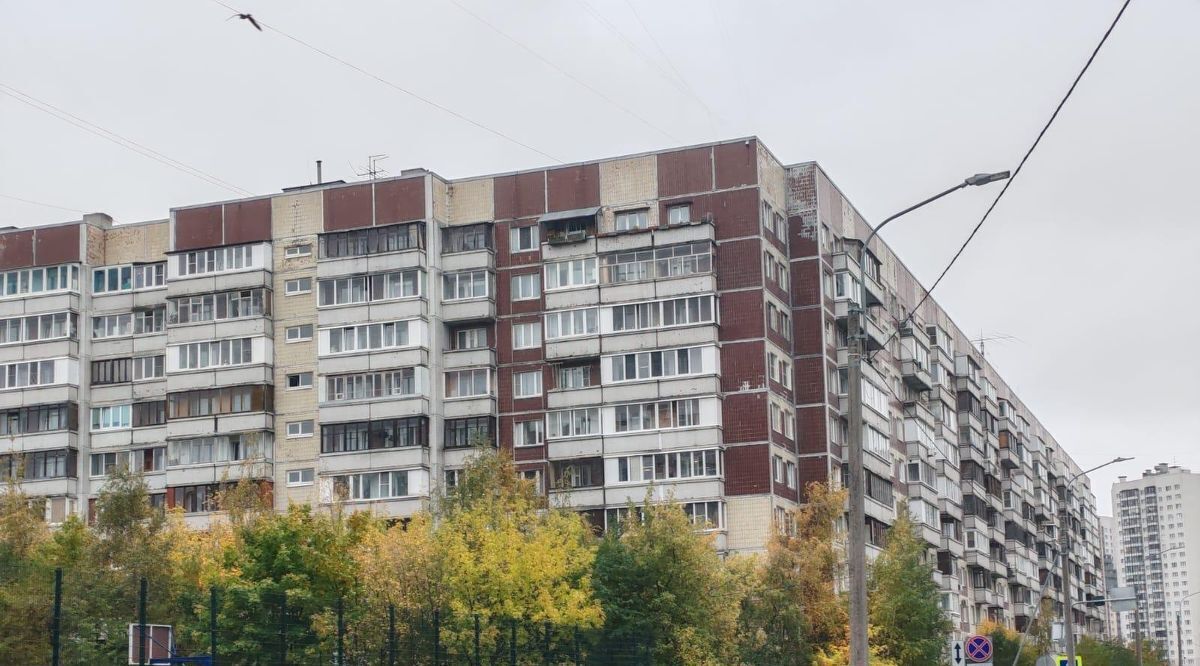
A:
<point x="40" y="280"/>
<point x="468" y="338"/>
<point x="534" y="476"/>
<point x="782" y="421"/>
<point x="631" y="220"/>
<point x="571" y="273"/>
<point x="297" y="429"/>
<point x="223" y="400"/>
<point x="302" y="250"/>
<point x="526" y="287"/>
<point x="215" y="260"/>
<point x="527" y="336"/>
<point x="216" y="449"/>
<point x="655" y="364"/>
<point x="369" y="435"/>
<point x="218" y="353"/>
<point x="657" y="314"/>
<point x="527" y="433"/>
<point x="110" y="371"/>
<point x="523" y="239"/>
<point x="365" y="386"/>
<point x="464" y="285"/>
<point x="297" y="286"/>
<point x="587" y="473"/>
<point x="705" y="515"/>
<point x="467" y="383"/>
<point x="299" y="333"/>
<point x="371" y="486"/>
<point x="112" y="279"/>
<point x="474" y="431"/>
<point x="148" y="367"/>
<point x="663" y="262"/>
<point x="779" y="321"/>
<point x="657" y="415"/>
<point x="300" y="380"/>
<point x="571" y="323"/>
<point x="39" y="327"/>
<point x="23" y="374"/>
<point x="152" y="413"/>
<point x="103" y="463"/>
<point x="149" y="276"/>
<point x="112" y="418"/>
<point x="150" y="321"/>
<point x="197" y="499"/>
<point x="702" y="463"/>
<point x="573" y="423"/>
<point x="527" y="384"/>
<point x="365" y="337"/>
<point x="374" y="240"/>
<point x="467" y="238"/>
<point x="148" y="460"/>
<point x="40" y="464"/>
<point x="219" y="306"/>
<point x="779" y="370"/>
<point x="300" y="477"/>
<point x="574" y="376"/>
<point x="112" y="326"/>
<point x="369" y="288"/>
<point x="40" y="418"/>
<point x="679" y="214"/>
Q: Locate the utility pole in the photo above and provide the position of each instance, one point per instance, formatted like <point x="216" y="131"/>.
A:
<point x="1064" y="538"/>
<point x="856" y="557"/>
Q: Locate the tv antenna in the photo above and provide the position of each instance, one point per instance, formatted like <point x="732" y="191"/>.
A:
<point x="372" y="170"/>
<point x="982" y="341"/>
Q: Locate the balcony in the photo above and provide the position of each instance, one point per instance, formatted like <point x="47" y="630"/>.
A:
<point x="985" y="596"/>
<point x="915" y="375"/>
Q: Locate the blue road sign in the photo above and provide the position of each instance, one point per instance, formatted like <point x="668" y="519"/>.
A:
<point x="979" y="649"/>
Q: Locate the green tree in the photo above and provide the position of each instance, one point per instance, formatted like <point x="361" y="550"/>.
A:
<point x="25" y="579"/>
<point x="906" y="620"/>
<point x="665" y="590"/>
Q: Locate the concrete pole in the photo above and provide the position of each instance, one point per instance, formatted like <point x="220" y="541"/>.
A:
<point x="1068" y="611"/>
<point x="857" y="555"/>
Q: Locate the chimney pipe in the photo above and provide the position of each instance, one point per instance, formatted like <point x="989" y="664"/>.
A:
<point x="318" y="172"/>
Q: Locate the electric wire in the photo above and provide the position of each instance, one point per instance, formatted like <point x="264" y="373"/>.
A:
<point x="395" y="86"/>
<point x="109" y="135"/>
<point x="1016" y="172"/>
<point x="549" y="63"/>
<point x="41" y="203"/>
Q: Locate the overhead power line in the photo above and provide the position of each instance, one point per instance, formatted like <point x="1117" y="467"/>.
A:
<point x="40" y="203"/>
<point x="560" y="70"/>
<point x="667" y="58"/>
<point x="395" y="86"/>
<point x="109" y="135"/>
<point x="1016" y="172"/>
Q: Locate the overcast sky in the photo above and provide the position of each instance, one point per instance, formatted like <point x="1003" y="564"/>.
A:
<point x="1090" y="262"/>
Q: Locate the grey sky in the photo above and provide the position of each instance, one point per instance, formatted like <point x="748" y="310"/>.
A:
<point x="1088" y="260"/>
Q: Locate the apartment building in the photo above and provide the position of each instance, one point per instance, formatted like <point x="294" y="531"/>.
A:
<point x="1159" y="555"/>
<point x="670" y="323"/>
<point x="1112" y="578"/>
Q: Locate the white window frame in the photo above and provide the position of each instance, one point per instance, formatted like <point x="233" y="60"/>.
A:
<point x="581" y="322"/>
<point x="302" y="386"/>
<point x="521" y="436"/>
<point x="591" y="415"/>
<point x="640" y="218"/>
<point x="582" y="272"/>
<point x="473" y="276"/>
<point x="674" y="219"/>
<point x="473" y="372"/>
<point x="294" y="286"/>
<point x="297" y="430"/>
<point x="515" y="244"/>
<point x="299" y="477"/>
<point x="117" y="417"/>
<point x="519" y="380"/>
<point x="527" y="335"/>
<point x="478" y="334"/>
<point x="298" y="250"/>
<point x="300" y="337"/>
<point x="526" y="287"/>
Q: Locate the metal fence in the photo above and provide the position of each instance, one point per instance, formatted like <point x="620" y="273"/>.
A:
<point x="236" y="626"/>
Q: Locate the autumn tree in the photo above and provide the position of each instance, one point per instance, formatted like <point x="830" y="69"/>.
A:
<point x="25" y="577"/>
<point x="907" y="622"/>
<point x="665" y="590"/>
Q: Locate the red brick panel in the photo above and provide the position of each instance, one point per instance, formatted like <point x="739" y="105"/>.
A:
<point x="348" y="207"/>
<point x="520" y="195"/>
<point x="788" y="493"/>
<point x="684" y="172"/>
<point x="248" y="222"/>
<point x="802" y="231"/>
<point x="737" y="164"/>
<point x="739" y="264"/>
<point x="741" y="315"/>
<point x="503" y="241"/>
<point x="810" y="429"/>
<point x="806" y="282"/>
<point x="735" y="212"/>
<point x="743" y="362"/>
<point x="810" y="379"/>
<point x="812" y="470"/>
<point x="573" y="187"/>
<point x="748" y="470"/>
<point x="400" y="201"/>
<point x="744" y="417"/>
<point x="198" y="227"/>
<point x="56" y="245"/>
<point x="808" y="331"/>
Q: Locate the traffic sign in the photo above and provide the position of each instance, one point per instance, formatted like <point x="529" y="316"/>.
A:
<point x="957" y="656"/>
<point x="979" y="649"/>
<point x="1061" y="660"/>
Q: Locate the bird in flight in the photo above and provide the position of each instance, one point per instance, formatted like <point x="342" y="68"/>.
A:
<point x="248" y="17"/>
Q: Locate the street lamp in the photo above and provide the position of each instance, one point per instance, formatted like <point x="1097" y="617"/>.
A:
<point x="857" y="545"/>
<point x="1179" y="621"/>
<point x="1065" y="539"/>
<point x="1062" y="535"/>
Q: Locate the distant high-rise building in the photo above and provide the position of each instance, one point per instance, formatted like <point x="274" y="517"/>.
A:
<point x="1112" y="576"/>
<point x="1158" y="523"/>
